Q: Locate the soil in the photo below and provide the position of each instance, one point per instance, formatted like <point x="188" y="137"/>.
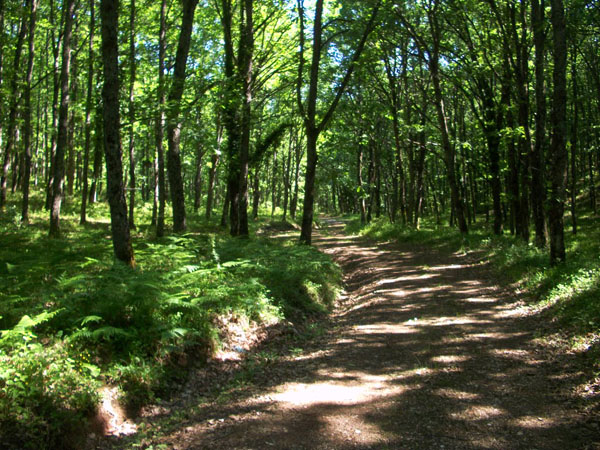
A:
<point x="425" y="350"/>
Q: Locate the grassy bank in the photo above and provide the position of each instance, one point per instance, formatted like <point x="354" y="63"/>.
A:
<point x="73" y="319"/>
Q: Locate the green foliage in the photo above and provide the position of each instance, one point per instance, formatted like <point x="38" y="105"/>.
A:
<point x="74" y="319"/>
<point x="46" y="393"/>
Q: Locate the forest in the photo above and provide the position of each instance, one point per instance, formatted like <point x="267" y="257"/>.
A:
<point x="172" y="167"/>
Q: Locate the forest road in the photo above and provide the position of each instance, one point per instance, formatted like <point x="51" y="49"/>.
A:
<point x="425" y="352"/>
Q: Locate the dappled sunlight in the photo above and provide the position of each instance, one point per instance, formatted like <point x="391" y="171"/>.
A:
<point x="421" y="355"/>
<point x="455" y="394"/>
<point x="360" y="388"/>
<point x="478" y="412"/>
<point x="450" y="359"/>
<point x="385" y="328"/>
<point x="529" y="422"/>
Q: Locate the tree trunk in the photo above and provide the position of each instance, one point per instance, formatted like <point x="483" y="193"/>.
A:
<point x="309" y="186"/>
<point x="449" y="151"/>
<point x="198" y="176"/>
<point x="88" y="115"/>
<point x="558" y="151"/>
<point x="63" y="121"/>
<point x="286" y="179"/>
<point x="313" y="130"/>
<point x="538" y="191"/>
<point x="55" y="100"/>
<point x="297" y="159"/>
<point x="214" y="162"/>
<point x="245" y="60"/>
<point x="27" y="112"/>
<point x="13" y="108"/>
<point x="74" y="88"/>
<point x="160" y="124"/>
<point x="173" y="121"/>
<point x="574" y="143"/>
<point x="98" y="156"/>
<point x="132" y="68"/>
<point x="112" y="133"/>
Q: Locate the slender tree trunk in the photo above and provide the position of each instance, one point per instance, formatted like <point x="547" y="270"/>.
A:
<point x="123" y="249"/>
<point x="173" y="120"/>
<point x="98" y="156"/>
<point x="160" y="124"/>
<point x="132" y="70"/>
<point x="70" y="151"/>
<point x="313" y="130"/>
<point x="55" y="100"/>
<point x="27" y="112"/>
<point x="558" y="151"/>
<point x="287" y="181"/>
<point x="246" y="73"/>
<point x="198" y="176"/>
<point x="214" y="162"/>
<point x="226" y="205"/>
<point x="574" y="144"/>
<point x="13" y="106"/>
<point x="449" y="151"/>
<point x="2" y="37"/>
<point x="88" y="115"/>
<point x="538" y="191"/>
<point x="63" y="121"/>
<point x="274" y="185"/>
<point x="255" y="192"/>
<point x="297" y="159"/>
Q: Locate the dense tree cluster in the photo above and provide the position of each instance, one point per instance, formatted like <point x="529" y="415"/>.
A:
<point x="478" y="109"/>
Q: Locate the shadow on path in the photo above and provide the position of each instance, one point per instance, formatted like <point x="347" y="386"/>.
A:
<point x="425" y="352"/>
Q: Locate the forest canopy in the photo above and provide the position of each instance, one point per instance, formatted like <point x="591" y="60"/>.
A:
<point x="455" y="114"/>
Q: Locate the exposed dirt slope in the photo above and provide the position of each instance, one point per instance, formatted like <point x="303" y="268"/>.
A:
<point x="425" y="352"/>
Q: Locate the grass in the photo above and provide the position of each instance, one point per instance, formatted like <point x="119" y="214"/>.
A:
<point x="567" y="293"/>
<point x="73" y="319"/>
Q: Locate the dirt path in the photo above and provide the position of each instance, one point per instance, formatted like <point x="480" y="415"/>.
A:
<point x="425" y="353"/>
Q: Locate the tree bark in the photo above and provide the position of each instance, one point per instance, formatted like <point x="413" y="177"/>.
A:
<point x="173" y="120"/>
<point x="132" y="70"/>
<point x="538" y="191"/>
<point x="449" y="151"/>
<point x="27" y="112"/>
<point x="574" y="144"/>
<point x="558" y="151"/>
<point x="88" y="115"/>
<point x="63" y="122"/>
<point x="160" y="124"/>
<point x="55" y="100"/>
<point x="309" y="113"/>
<point x="13" y="106"/>
<point x="246" y="73"/>
<point x="121" y="238"/>
<point x="98" y="156"/>
<point x="214" y="162"/>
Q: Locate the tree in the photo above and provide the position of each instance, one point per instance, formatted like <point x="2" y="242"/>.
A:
<point x="160" y="194"/>
<point x="88" y="115"/>
<point x="63" y="121"/>
<point x="109" y="10"/>
<point x="558" y="150"/>
<point x="308" y="111"/>
<point x="173" y="120"/>
<point x="27" y="111"/>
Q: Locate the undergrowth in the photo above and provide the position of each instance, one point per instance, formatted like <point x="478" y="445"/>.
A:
<point x="74" y="319"/>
